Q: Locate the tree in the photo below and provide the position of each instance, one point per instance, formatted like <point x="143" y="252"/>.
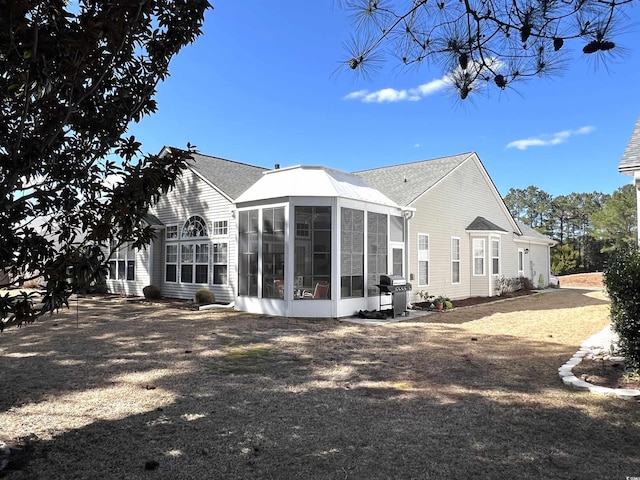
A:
<point x="530" y="206"/>
<point x="615" y="223"/>
<point x="73" y="78"/>
<point x="481" y="42"/>
<point x="622" y="281"/>
<point x="564" y="260"/>
<point x="563" y="214"/>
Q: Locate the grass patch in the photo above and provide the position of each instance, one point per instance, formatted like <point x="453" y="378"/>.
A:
<point x="243" y="359"/>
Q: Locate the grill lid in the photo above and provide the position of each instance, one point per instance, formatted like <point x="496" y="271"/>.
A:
<point x="392" y="280"/>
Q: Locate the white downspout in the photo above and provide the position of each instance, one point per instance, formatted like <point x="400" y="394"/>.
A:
<point x="407" y="214"/>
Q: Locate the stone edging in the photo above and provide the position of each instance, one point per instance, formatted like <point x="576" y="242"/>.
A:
<point x="568" y="378"/>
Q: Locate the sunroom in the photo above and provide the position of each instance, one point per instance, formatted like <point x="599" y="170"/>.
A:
<point x="313" y="242"/>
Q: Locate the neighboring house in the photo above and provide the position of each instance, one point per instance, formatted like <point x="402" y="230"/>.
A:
<point x="630" y="164"/>
<point x="313" y="241"/>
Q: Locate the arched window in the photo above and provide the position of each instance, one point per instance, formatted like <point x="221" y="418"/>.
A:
<point x="195" y="227"/>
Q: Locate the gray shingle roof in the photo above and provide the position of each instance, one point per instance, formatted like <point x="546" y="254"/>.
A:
<point x="631" y="159"/>
<point x="152" y="220"/>
<point x="406" y="182"/>
<point x="482" y="224"/>
<point x="532" y="233"/>
<point x="232" y="178"/>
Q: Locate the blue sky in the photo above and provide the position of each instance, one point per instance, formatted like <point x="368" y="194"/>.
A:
<point x="259" y="87"/>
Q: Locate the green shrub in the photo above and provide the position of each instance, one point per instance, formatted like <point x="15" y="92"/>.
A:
<point x="448" y="304"/>
<point x="204" y="296"/>
<point x="151" y="292"/>
<point x="622" y="281"/>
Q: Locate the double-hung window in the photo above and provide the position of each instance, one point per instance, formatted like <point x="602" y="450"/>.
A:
<point x="122" y="265"/>
<point x="219" y="256"/>
<point x="219" y="252"/>
<point x="171" y="263"/>
<point x="194" y="263"/>
<point x="495" y="256"/>
<point x="455" y="260"/>
<point x="478" y="256"/>
<point x="423" y="259"/>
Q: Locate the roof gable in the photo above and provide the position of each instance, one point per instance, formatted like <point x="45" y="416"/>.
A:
<point x="482" y="224"/>
<point x="406" y="182"/>
<point x="631" y="158"/>
<point x="227" y="176"/>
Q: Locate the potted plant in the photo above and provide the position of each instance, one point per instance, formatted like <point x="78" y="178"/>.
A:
<point x="439" y="302"/>
<point x="443" y="303"/>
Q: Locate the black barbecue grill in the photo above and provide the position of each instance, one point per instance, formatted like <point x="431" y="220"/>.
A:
<point x="396" y="286"/>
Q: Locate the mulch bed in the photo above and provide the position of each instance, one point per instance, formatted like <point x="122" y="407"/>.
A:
<point x="471" y="301"/>
<point x="190" y="305"/>
<point x="606" y="373"/>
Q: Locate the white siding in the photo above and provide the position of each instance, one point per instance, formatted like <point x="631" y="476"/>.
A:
<point x="193" y="196"/>
<point x="142" y="276"/>
<point x="444" y="212"/>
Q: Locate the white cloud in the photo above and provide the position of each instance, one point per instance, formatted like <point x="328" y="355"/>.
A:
<point x="547" y="140"/>
<point x="417" y="145"/>
<point x="391" y="95"/>
<point x="421" y="91"/>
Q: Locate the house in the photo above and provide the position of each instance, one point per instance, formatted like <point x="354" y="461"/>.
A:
<point x="311" y="241"/>
<point x="195" y="244"/>
<point x="462" y="237"/>
<point x="630" y="163"/>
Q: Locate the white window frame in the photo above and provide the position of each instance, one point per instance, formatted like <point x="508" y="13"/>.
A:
<point x="423" y="256"/>
<point x="175" y="263"/>
<point x="195" y="227"/>
<point x="127" y="255"/>
<point x="194" y="262"/>
<point x="171" y="236"/>
<point x="455" y="261"/>
<point x="220" y="228"/>
<point x="521" y="262"/>
<point x="215" y="260"/>
<point x="192" y="235"/>
<point x="482" y="244"/>
<point x="492" y="242"/>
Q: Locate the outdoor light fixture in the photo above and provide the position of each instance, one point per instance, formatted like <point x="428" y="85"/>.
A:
<point x="526" y="250"/>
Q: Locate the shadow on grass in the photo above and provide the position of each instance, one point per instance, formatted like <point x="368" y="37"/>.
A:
<point x="235" y="396"/>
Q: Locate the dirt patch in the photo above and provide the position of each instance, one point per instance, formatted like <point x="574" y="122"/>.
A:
<point x="582" y="280"/>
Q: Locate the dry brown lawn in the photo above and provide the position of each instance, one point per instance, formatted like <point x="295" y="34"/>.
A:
<point x="582" y="280"/>
<point x="471" y="393"/>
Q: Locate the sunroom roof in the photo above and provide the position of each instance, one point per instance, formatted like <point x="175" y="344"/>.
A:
<point x="312" y="181"/>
